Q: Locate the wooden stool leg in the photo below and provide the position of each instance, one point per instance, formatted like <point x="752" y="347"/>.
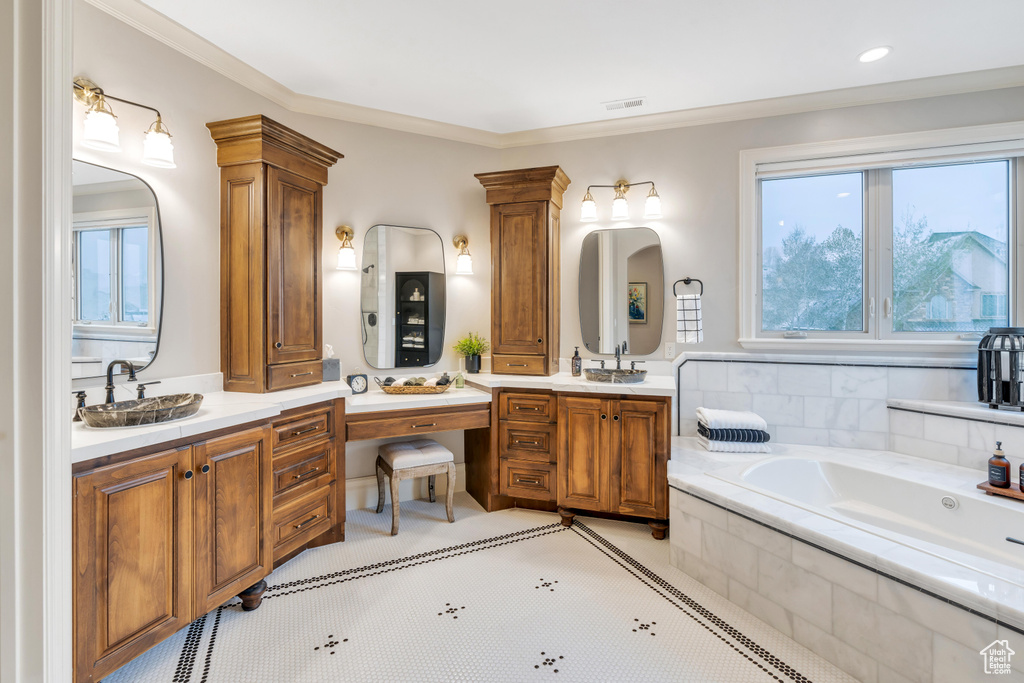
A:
<point x="450" y="494"/>
<point x="380" y="486"/>
<point x="395" y="480"/>
<point x="430" y="487"/>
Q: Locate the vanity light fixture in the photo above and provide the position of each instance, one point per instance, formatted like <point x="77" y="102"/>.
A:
<point x="101" y="133"/>
<point x="346" y="253"/>
<point x="463" y="262"/>
<point x="620" y="207"/>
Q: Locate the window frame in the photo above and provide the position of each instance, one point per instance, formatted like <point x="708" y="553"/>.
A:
<point x="114" y="220"/>
<point x="876" y="156"/>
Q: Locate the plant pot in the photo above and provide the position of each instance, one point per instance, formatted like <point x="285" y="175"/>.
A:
<point x="473" y="364"/>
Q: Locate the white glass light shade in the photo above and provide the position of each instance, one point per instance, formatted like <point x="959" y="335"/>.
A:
<point x="347" y="257"/>
<point x="464" y="264"/>
<point x="588" y="211"/>
<point x="100" y="131"/>
<point x="652" y="207"/>
<point x="620" y="209"/>
<point x="157" y="150"/>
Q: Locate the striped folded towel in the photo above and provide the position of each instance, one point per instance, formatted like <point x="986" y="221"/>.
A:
<point x="737" y="435"/>
<point x="730" y="419"/>
<point x="732" y="446"/>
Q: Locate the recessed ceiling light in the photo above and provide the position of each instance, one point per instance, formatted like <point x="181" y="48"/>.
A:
<point x="874" y="54"/>
<point x="843" y="194"/>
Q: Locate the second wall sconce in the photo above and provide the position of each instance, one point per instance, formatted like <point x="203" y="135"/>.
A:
<point x="620" y="207"/>
<point x="347" y="252"/>
<point x="101" y="133"/>
<point x="463" y="262"/>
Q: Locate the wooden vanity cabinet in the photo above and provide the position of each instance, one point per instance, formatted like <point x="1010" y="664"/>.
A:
<point x="272" y="181"/>
<point x="525" y="209"/>
<point x="164" y="537"/>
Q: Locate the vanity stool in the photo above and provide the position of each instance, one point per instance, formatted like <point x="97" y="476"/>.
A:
<point x="409" y="459"/>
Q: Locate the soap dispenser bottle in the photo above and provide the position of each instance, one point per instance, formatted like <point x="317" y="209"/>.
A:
<point x="577" y="363"/>
<point x="999" y="468"/>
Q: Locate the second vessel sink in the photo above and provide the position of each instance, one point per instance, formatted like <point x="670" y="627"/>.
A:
<point x="615" y="376"/>
<point x="143" y="411"/>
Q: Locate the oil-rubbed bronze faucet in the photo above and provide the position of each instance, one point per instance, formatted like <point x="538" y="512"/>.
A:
<point x="618" y="355"/>
<point x="110" y="376"/>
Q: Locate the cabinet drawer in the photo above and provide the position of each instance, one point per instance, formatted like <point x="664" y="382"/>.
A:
<point x="527" y="441"/>
<point x="527" y="480"/>
<point x="508" y="364"/>
<point x="303" y="428"/>
<point x="294" y="375"/>
<point x="303" y="520"/>
<point x="527" y="407"/>
<point x="385" y="424"/>
<point x="307" y="467"/>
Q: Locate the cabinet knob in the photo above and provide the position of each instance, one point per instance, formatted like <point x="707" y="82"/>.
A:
<point x="188" y="474"/>
<point x="206" y="469"/>
<point x="539" y="340"/>
<point x="615" y="417"/>
<point x="603" y="416"/>
<point x="278" y="345"/>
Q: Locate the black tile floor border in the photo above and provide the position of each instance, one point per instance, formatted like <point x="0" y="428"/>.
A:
<point x="743" y="645"/>
<point x="904" y="582"/>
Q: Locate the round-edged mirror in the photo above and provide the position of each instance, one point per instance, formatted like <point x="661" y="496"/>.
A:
<point x="402" y="297"/>
<point x="117" y="270"/>
<point x="622" y="291"/>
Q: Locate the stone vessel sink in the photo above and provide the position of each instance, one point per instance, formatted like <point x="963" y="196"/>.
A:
<point x="143" y="411"/>
<point x="615" y="376"/>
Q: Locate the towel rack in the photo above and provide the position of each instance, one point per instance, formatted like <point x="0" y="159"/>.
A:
<point x="687" y="281"/>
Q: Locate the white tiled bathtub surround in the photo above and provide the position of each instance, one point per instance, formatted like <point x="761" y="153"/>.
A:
<point x="815" y="400"/>
<point x="788" y="566"/>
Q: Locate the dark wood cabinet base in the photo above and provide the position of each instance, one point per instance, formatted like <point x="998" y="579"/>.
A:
<point x="252" y="597"/>
<point x="658" y="529"/>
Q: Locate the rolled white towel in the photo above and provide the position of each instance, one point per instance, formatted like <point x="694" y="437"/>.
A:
<point x="733" y="446"/>
<point x="730" y="419"/>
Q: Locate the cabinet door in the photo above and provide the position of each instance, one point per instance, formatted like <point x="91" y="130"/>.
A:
<point x="519" y="277"/>
<point x="232" y="515"/>
<point x="133" y="559"/>
<point x="293" y="267"/>
<point x="583" y="467"/>
<point x="639" y="458"/>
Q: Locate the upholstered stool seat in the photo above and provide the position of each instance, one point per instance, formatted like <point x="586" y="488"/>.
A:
<point x="409" y="459"/>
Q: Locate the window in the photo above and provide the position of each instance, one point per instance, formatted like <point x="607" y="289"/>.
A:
<point x="879" y="247"/>
<point x="112" y="266"/>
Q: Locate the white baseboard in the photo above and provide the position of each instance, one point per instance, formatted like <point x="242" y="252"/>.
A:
<point x="361" y="492"/>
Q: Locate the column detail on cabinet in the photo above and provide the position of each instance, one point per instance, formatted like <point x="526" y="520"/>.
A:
<point x="272" y="181"/>
<point x="525" y="297"/>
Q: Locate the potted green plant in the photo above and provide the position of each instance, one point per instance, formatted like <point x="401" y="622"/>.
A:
<point x="471" y="346"/>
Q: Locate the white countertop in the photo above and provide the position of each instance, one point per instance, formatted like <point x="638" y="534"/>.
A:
<point x="653" y="385"/>
<point x="375" y="399"/>
<point x="962" y="409"/>
<point x="220" y="409"/>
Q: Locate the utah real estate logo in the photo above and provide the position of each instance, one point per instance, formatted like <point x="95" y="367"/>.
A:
<point x="997" y="657"/>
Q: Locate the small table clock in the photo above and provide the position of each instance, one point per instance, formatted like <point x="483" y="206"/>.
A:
<point x="358" y="383"/>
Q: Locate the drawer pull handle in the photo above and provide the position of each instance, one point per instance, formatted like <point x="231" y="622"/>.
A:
<point x="515" y="365"/>
<point x="307" y="430"/>
<point x="518" y="407"/>
<point x="527" y="443"/>
<point x="306" y="473"/>
<point x="524" y="480"/>
<point x="432" y="424"/>
<point x="301" y="374"/>
<point x="311" y="519"/>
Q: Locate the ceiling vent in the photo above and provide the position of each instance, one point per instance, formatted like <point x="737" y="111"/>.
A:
<point x="631" y="103"/>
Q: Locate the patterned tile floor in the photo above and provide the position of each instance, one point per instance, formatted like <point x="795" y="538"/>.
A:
<point x="507" y="596"/>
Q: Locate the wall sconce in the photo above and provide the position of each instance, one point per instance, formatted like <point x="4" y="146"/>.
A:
<point x="620" y="207"/>
<point x="346" y="253"/>
<point x="101" y="133"/>
<point x="463" y="262"/>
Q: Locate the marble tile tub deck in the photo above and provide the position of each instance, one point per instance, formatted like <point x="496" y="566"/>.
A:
<point x="880" y="610"/>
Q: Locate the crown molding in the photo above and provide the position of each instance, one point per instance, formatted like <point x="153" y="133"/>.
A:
<point x="156" y="25"/>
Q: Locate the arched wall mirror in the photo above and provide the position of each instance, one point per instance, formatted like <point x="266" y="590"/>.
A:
<point x="622" y="291"/>
<point x="402" y="297"/>
<point x="117" y="270"/>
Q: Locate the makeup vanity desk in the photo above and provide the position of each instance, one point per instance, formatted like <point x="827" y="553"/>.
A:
<point x="376" y="415"/>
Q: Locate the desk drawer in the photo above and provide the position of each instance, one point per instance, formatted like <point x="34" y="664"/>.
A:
<point x="505" y="364"/>
<point x="303" y="520"/>
<point x="305" y="427"/>
<point x="527" y="441"/>
<point x="306" y="467"/>
<point x="527" y="480"/>
<point x="386" y="424"/>
<point x="527" y="407"/>
<point x="294" y="375"/>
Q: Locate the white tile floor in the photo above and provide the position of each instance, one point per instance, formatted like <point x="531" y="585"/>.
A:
<point x="507" y="596"/>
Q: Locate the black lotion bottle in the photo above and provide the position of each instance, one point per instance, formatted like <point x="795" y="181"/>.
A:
<point x="999" y="468"/>
<point x="577" y="363"/>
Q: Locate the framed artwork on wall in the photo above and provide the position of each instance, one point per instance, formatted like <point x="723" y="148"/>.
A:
<point x="637" y="293"/>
